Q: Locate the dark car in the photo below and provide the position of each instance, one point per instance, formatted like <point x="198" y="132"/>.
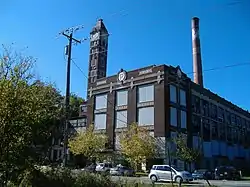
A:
<point x="202" y="174"/>
<point x="226" y="172"/>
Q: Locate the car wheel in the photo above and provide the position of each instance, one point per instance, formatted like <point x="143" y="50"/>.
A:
<point x="153" y="178"/>
<point x="178" y="179"/>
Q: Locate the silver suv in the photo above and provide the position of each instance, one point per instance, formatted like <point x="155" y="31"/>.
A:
<point x="163" y="173"/>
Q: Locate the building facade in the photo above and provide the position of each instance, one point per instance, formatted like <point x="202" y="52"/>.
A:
<point x="167" y="102"/>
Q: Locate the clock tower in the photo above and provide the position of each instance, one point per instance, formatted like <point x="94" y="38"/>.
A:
<point x="98" y="52"/>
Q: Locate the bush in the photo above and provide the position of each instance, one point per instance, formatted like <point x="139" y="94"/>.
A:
<point x="54" y="177"/>
<point x="86" y="179"/>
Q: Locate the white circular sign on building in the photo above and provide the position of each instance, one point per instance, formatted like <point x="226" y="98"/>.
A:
<point x="122" y="76"/>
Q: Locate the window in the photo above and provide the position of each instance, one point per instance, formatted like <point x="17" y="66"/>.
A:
<point x="173" y="145"/>
<point x="100" y="121"/>
<point x="233" y="119"/>
<point x="196" y="104"/>
<point x="206" y="129"/>
<point x="196" y="121"/>
<point x="222" y="131"/>
<point x="101" y="102"/>
<point x="163" y="168"/>
<point x="146" y="116"/>
<point x="204" y="108"/>
<point x="146" y="93"/>
<point x="228" y="117"/>
<point x="229" y="134"/>
<point x="121" y="98"/>
<point x="213" y="111"/>
<point x="121" y="119"/>
<point x="220" y="114"/>
<point x="82" y="122"/>
<point x="173" y="116"/>
<point x="214" y="130"/>
<point x="73" y="123"/>
<point x="182" y="97"/>
<point x="183" y="119"/>
<point x="173" y="93"/>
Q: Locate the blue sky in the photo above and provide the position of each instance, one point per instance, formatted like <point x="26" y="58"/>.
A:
<point x="142" y="33"/>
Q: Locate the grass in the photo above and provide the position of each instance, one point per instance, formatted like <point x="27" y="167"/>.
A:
<point x="141" y="174"/>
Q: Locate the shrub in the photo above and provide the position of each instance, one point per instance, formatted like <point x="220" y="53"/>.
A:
<point x="55" y="177"/>
<point x="86" y="179"/>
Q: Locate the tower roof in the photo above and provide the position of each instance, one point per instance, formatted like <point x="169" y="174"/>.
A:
<point x="99" y="26"/>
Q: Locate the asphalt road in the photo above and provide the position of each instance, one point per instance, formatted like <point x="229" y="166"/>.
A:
<point x="196" y="183"/>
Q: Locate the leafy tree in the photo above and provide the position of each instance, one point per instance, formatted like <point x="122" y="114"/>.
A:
<point x="185" y="153"/>
<point x="28" y="108"/>
<point x="88" y="143"/>
<point x="137" y="145"/>
<point x="75" y="102"/>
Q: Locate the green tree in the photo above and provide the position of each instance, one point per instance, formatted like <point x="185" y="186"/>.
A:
<point x="75" y="102"/>
<point x="185" y="153"/>
<point x="88" y="143"/>
<point x="28" y="108"/>
<point x="137" y="145"/>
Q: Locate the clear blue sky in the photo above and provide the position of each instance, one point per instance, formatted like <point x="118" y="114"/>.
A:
<point x="142" y="33"/>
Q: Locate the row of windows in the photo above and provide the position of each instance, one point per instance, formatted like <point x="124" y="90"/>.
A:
<point x="145" y="117"/>
<point x="145" y="94"/>
<point x="218" y="131"/>
<point x="203" y="107"/>
<point x="146" y="114"/>
<point x="174" y="95"/>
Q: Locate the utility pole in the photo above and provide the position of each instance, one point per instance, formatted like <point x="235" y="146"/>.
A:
<point x="68" y="33"/>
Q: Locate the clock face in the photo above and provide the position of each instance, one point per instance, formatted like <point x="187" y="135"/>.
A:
<point x="122" y="76"/>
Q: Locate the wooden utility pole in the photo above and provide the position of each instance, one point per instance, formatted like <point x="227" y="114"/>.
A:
<point x="67" y="96"/>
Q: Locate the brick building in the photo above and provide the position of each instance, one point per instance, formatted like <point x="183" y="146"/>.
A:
<point x="166" y="101"/>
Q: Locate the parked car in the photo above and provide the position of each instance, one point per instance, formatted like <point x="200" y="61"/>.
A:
<point x="202" y="174"/>
<point x="103" y="167"/>
<point x="120" y="170"/>
<point x="163" y="173"/>
<point x="90" y="168"/>
<point x="226" y="172"/>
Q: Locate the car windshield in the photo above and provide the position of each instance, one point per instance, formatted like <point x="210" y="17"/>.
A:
<point x="176" y="168"/>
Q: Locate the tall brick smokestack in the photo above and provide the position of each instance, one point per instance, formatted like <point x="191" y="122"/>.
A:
<point x="197" y="63"/>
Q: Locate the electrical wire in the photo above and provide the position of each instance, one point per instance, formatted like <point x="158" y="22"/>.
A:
<point x="104" y="97"/>
<point x="172" y="82"/>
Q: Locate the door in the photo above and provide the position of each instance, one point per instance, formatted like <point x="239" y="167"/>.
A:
<point x="164" y="172"/>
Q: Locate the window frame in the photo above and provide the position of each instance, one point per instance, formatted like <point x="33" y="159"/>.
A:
<point x="105" y="121"/>
<point x="170" y="93"/>
<point x="100" y="95"/>
<point x="117" y="94"/>
<point x="118" y="119"/>
<point x="176" y="125"/>
<point x="145" y="86"/>
<point x="138" y="115"/>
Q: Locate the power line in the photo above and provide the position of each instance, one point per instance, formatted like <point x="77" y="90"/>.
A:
<point x="212" y="69"/>
<point x="104" y="97"/>
<point x="172" y="82"/>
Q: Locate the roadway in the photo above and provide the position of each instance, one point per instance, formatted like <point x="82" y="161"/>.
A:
<point x="196" y="183"/>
